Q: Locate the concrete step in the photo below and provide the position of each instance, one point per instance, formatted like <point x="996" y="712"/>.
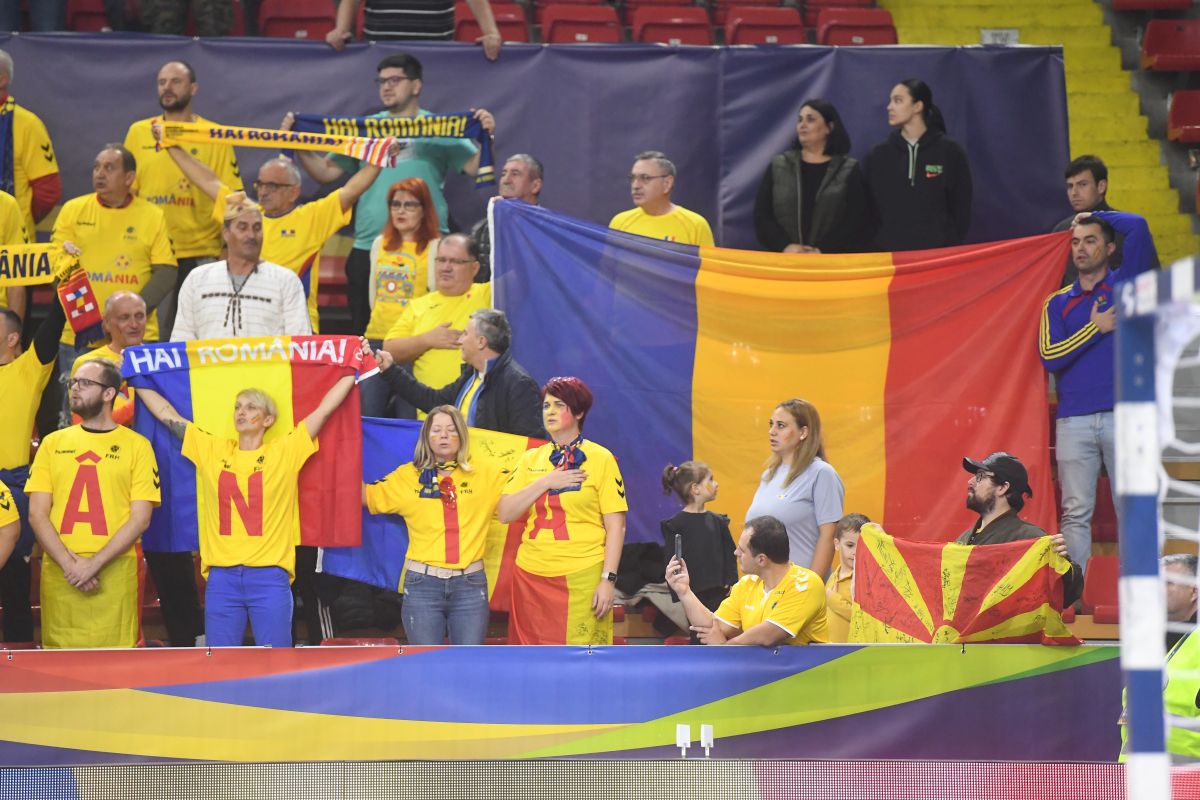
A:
<point x="1139" y="178"/>
<point x="927" y="33"/>
<point x="1171" y="225"/>
<point x="995" y="15"/>
<point x="1091" y="101"/>
<point x="1172" y="248"/>
<point x="1147" y="202"/>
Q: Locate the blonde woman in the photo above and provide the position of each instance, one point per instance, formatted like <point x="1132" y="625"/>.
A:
<point x="447" y="499"/>
<point x="798" y="487"/>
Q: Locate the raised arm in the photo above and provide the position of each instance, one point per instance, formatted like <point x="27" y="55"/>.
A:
<point x="329" y="403"/>
<point x="162" y="410"/>
<point x="489" y="124"/>
<point x="320" y="168"/>
<point x="710" y="629"/>
<point x="359" y="183"/>
<point x="194" y="171"/>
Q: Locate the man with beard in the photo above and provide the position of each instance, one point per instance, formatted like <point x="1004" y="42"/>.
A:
<point x="195" y="233"/>
<point x="91" y="490"/>
<point x="996" y="491"/>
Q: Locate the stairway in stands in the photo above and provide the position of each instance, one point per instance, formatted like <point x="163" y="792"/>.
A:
<point x="1103" y="108"/>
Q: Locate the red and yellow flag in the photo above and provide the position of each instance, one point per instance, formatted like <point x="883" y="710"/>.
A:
<point x="907" y="591"/>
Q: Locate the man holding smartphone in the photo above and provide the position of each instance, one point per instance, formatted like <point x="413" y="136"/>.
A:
<point x="776" y="602"/>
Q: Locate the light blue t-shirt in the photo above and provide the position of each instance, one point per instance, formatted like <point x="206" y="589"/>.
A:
<point x="428" y="159"/>
<point x="813" y="499"/>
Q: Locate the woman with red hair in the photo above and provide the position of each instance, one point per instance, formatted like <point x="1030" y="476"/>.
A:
<point x="566" y="569"/>
<point x="401" y="270"/>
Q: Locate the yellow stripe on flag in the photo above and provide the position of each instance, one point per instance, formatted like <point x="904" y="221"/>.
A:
<point x="1044" y="619"/>
<point x="772" y="327"/>
<point x="954" y="569"/>
<point x="1038" y="555"/>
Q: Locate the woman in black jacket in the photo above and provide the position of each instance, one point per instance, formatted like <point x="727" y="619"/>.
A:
<point x="919" y="178"/>
<point x="812" y="198"/>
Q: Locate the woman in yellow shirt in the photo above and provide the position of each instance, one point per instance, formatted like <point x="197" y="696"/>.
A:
<point x="401" y="270"/>
<point x="572" y="489"/>
<point x="447" y="499"/>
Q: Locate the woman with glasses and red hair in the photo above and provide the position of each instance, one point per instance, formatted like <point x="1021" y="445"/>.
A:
<point x="572" y="489"/>
<point x="401" y="270"/>
<point x="447" y="500"/>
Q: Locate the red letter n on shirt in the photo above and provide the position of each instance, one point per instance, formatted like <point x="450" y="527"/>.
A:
<point x="250" y="509"/>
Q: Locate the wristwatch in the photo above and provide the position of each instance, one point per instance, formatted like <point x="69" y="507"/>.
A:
<point x="611" y="577"/>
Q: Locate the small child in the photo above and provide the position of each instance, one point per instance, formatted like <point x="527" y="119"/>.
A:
<point x="707" y="544"/>
<point x="839" y="595"/>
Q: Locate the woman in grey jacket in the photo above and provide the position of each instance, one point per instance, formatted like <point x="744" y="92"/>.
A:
<point x="812" y="198"/>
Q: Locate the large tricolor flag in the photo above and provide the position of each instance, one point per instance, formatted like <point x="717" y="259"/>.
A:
<point x="948" y="593"/>
<point x="913" y="359"/>
<point x="379" y="561"/>
<point x="202" y="379"/>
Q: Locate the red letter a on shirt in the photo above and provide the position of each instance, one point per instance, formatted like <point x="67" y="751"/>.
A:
<point x="249" y="509"/>
<point x="86" y="487"/>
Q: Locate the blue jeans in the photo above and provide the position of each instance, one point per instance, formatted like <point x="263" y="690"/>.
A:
<point x="44" y="15"/>
<point x="431" y="605"/>
<point x="261" y="596"/>
<point x="1082" y="442"/>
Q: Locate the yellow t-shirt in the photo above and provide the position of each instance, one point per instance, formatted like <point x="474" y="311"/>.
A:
<point x="118" y="246"/>
<point x="188" y="210"/>
<point x="442" y="534"/>
<point x="797" y="605"/>
<point x="565" y="532"/>
<point x="12" y="230"/>
<point x="249" y="499"/>
<point x="93" y="478"/>
<point x="33" y="158"/>
<point x="397" y="278"/>
<point x="22" y="382"/>
<point x="8" y="507"/>
<point x="838" y="606"/>
<point x="440" y="366"/>
<point x="123" y="404"/>
<point x="677" y="225"/>
<point x="294" y="240"/>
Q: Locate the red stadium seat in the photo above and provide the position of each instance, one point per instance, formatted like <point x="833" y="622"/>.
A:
<point x="1100" y="588"/>
<point x="295" y="19"/>
<point x="86" y="16"/>
<point x="510" y="19"/>
<point x="813" y="8"/>
<point x="752" y="25"/>
<point x="578" y="24"/>
<point x="673" y="25"/>
<point x="618" y="613"/>
<point x="721" y="9"/>
<point x="676" y="640"/>
<point x="1104" y="517"/>
<point x="630" y="6"/>
<point x="361" y="641"/>
<point x="539" y="7"/>
<point x="855" y="26"/>
<point x="1171" y="45"/>
<point x="1151" y="5"/>
<point x="1183" y="120"/>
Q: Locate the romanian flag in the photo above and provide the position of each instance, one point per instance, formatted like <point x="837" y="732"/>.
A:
<point x="388" y="443"/>
<point x="921" y="592"/>
<point x="913" y="359"/>
<point x="202" y="379"/>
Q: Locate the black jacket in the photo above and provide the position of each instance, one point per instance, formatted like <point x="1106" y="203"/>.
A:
<point x="839" y="215"/>
<point x="509" y="400"/>
<point x="921" y="195"/>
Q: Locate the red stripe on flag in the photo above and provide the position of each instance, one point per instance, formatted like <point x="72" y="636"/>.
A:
<point x="543" y="608"/>
<point x="879" y="598"/>
<point x="964" y="378"/>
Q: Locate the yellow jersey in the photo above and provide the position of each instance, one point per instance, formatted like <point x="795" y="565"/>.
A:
<point x="796" y="605"/>
<point x="22" y="382"/>
<point x="677" y="225"/>
<point x="440" y="366"/>
<point x="565" y="532"/>
<point x="33" y="158"/>
<point x="93" y="478"/>
<point x="248" y="500"/>
<point x="12" y="230"/>
<point x="8" y="507"/>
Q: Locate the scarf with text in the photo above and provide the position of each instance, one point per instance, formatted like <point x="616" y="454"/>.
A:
<point x="426" y="126"/>
<point x="373" y="151"/>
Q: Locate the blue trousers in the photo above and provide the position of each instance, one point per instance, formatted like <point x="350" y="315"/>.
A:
<point x="435" y="606"/>
<point x="261" y="596"/>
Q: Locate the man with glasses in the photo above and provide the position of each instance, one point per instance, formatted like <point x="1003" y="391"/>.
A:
<point x="91" y="490"/>
<point x="654" y="215"/>
<point x="430" y="329"/>
<point x="195" y="234"/>
<point x="125" y="324"/>
<point x="399" y="78"/>
<point x="293" y="235"/>
<point x="243" y="295"/>
<point x="996" y="491"/>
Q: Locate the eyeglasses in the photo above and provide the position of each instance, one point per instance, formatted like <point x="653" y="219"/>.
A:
<point x="455" y="261"/>
<point x="268" y="185"/>
<point x="407" y="205"/>
<point x="86" y="382"/>
<point x="394" y="80"/>
<point x="984" y="475"/>
<point x="645" y="178"/>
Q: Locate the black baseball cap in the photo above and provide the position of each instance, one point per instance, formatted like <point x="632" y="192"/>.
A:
<point x="1006" y="467"/>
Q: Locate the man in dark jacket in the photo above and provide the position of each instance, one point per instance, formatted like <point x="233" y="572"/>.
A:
<point x="997" y="492"/>
<point x="493" y="391"/>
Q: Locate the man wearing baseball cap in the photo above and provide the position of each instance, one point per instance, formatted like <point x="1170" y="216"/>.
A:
<point x="996" y="491"/>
